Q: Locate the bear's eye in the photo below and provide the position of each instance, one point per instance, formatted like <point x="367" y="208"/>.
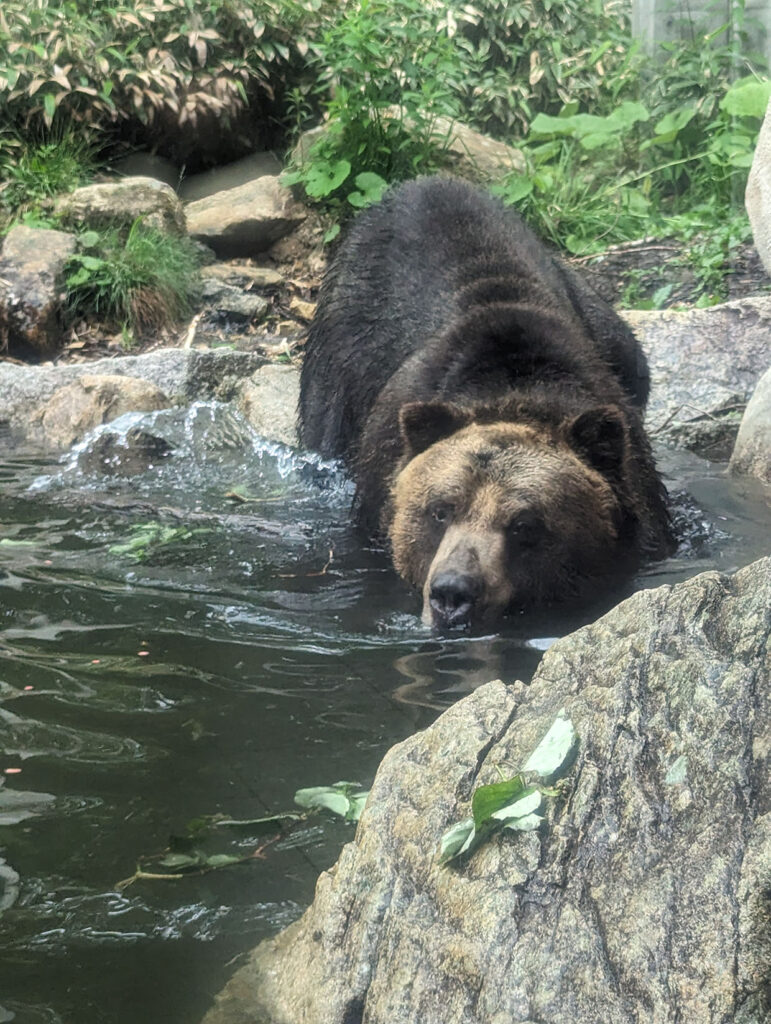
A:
<point x="441" y="512"/>
<point x="526" y="529"/>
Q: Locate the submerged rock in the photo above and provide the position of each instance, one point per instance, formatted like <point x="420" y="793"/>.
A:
<point x="644" y="897"/>
<point x="31" y="288"/>
<point x="752" y="452"/>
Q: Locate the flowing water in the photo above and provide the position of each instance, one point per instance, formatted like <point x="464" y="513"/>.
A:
<point x="168" y="654"/>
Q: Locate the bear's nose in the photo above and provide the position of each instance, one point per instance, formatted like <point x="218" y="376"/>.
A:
<point x="452" y="597"/>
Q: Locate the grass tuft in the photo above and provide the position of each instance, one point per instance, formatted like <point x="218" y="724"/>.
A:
<point x="142" y="281"/>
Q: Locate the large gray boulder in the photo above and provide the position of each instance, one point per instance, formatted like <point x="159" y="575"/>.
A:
<point x="32" y="283"/>
<point x="245" y="220"/>
<point x="757" y="197"/>
<point x="752" y="451"/>
<point x="122" y="202"/>
<point x="644" y="898"/>
<point x="704" y="366"/>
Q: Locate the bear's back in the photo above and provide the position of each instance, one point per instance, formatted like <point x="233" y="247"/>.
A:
<point x="409" y="268"/>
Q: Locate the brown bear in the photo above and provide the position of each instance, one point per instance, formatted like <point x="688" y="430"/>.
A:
<point x="487" y="404"/>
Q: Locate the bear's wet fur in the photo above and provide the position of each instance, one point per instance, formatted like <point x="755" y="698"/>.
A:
<point x="487" y="403"/>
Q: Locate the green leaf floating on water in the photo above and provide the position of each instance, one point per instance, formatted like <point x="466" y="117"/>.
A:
<point x="512" y="803"/>
<point x="197" y="860"/>
<point x="147" y="538"/>
<point x="270" y="823"/>
<point x="344" y="798"/>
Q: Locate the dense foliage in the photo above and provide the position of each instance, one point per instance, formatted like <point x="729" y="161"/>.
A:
<point x="616" y="145"/>
<point x="166" y="64"/>
<point x="534" y="56"/>
<point x="593" y="179"/>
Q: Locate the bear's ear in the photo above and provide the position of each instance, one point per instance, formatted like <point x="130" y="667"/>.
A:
<point x="424" y="423"/>
<point x="599" y="437"/>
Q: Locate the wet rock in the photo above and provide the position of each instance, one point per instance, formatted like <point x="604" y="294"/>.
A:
<point x="245" y="220"/>
<point x="184" y="375"/>
<point x="89" y="401"/>
<point x="31" y="289"/>
<point x="645" y="897"/>
<point x="127" y="454"/>
<point x="220" y="179"/>
<point x="122" y="202"/>
<point x="752" y="452"/>
<point x="268" y="400"/>
<point x="229" y="301"/>
<point x="757" y="198"/>
<point x="704" y="366"/>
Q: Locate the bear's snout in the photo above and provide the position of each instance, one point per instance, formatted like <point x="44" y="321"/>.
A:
<point x="452" y="598"/>
<point x="467" y="579"/>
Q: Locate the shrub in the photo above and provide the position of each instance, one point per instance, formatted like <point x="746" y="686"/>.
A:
<point x="164" y="63"/>
<point x="592" y="181"/>
<point x="141" y="281"/>
<point x="32" y="171"/>
<point x="387" y="72"/>
<point x="535" y="56"/>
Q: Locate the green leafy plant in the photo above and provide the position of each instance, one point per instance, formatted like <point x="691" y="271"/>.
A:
<point x="191" y="853"/>
<point x="33" y="170"/>
<point x="145" y="280"/>
<point x="593" y="181"/>
<point x="573" y="192"/>
<point x="512" y="803"/>
<point x="537" y="56"/>
<point x="388" y="72"/>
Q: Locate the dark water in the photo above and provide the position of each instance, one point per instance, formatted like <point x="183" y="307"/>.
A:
<point x="158" y="666"/>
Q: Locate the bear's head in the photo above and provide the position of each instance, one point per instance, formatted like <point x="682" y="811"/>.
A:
<point x="490" y="516"/>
